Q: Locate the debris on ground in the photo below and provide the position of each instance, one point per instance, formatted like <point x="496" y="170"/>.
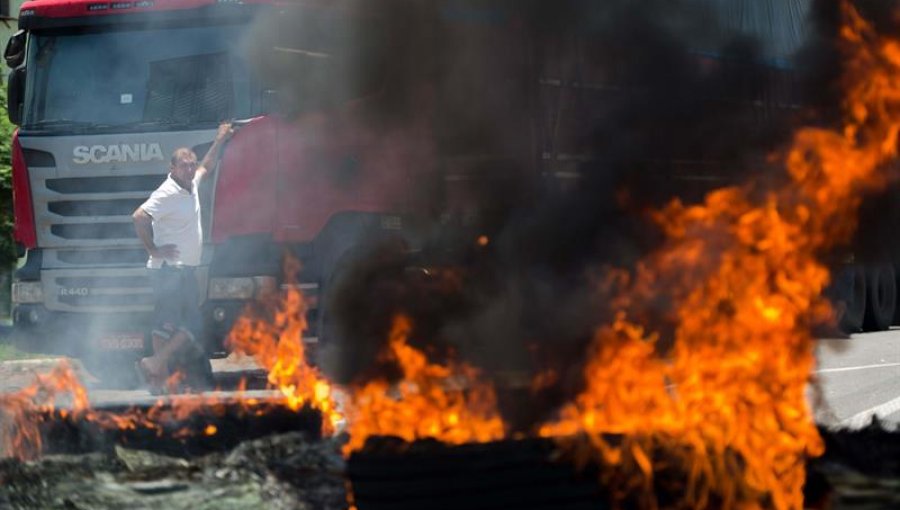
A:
<point x="287" y="471"/>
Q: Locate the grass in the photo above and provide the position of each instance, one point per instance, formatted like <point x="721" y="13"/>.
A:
<point x="9" y="352"/>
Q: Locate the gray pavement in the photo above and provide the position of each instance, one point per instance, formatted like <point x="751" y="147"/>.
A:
<point x="227" y="370"/>
<point x="17" y="374"/>
<point x="856" y="378"/>
<point x="859" y="378"/>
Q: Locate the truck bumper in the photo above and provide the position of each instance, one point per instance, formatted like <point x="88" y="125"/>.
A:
<point x="38" y="329"/>
<point x="80" y="334"/>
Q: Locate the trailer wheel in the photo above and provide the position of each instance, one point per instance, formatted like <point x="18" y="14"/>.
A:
<point x="850" y="298"/>
<point x="881" y="299"/>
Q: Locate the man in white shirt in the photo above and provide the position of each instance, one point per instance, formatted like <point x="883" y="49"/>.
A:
<point x="168" y="224"/>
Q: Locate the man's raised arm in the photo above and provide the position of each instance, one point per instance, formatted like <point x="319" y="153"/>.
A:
<point x="212" y="155"/>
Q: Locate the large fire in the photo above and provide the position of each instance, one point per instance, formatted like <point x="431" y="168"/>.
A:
<point x="448" y="403"/>
<point x="270" y="331"/>
<point x="61" y="393"/>
<point x="273" y="335"/>
<point x="21" y="434"/>
<point x="728" y="401"/>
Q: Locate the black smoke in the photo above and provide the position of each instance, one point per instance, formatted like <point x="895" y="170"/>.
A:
<point x="565" y="133"/>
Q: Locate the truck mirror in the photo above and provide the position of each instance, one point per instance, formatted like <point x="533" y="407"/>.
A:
<point x="15" y="95"/>
<point x="15" y="49"/>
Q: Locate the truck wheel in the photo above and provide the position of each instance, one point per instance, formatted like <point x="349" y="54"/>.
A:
<point x="881" y="299"/>
<point x="362" y="282"/>
<point x="850" y="298"/>
<point x="23" y="340"/>
<point x="26" y="340"/>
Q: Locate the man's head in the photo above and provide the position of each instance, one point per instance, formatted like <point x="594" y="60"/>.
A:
<point x="183" y="165"/>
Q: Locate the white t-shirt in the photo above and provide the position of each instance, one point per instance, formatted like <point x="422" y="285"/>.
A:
<point x="176" y="220"/>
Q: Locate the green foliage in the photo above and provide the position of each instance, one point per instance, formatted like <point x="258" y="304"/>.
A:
<point x="8" y="352"/>
<point x="7" y="245"/>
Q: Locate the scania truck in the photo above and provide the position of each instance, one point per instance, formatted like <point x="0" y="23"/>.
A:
<point x="356" y="121"/>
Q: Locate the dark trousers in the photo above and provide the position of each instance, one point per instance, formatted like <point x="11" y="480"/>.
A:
<point x="177" y="302"/>
<point x="178" y="310"/>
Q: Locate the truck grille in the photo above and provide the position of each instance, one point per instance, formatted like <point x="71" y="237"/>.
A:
<point x="105" y="258"/>
<point x="71" y="185"/>
<point x="106" y="290"/>
<point x="142" y="301"/>
<point x="95" y="207"/>
<point x="91" y="211"/>
<point x="91" y="258"/>
<point x="106" y="230"/>
<point x="103" y="282"/>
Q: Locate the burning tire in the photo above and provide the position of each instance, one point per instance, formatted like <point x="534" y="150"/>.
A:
<point x="881" y="297"/>
<point x="389" y="474"/>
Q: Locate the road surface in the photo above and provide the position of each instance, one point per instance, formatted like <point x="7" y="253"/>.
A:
<point x="859" y="377"/>
<point x="856" y="378"/>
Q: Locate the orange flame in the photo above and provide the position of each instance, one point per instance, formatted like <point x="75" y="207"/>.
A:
<point x="21" y="434"/>
<point x="274" y="337"/>
<point x="276" y="344"/>
<point x="747" y="287"/>
<point x="727" y="401"/>
<point x="61" y="392"/>
<point x="432" y="401"/>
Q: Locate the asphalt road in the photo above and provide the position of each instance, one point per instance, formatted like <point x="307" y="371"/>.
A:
<point x="227" y="371"/>
<point x="859" y="378"/>
<point x="856" y="378"/>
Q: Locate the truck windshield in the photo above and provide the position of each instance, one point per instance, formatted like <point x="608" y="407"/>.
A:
<point x="152" y="78"/>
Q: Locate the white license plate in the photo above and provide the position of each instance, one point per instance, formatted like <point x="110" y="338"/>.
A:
<point x="121" y="342"/>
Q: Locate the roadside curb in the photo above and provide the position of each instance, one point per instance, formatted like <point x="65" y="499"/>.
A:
<point x="19" y="373"/>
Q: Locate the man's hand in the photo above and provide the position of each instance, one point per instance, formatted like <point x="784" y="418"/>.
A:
<point x="212" y="155"/>
<point x="143" y="225"/>
<point x="166" y="251"/>
<point x="225" y="132"/>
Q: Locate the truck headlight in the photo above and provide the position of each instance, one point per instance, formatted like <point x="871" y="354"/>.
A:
<point x="27" y="292"/>
<point x="238" y="288"/>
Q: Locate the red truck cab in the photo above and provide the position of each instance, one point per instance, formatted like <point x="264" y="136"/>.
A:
<point x="103" y="92"/>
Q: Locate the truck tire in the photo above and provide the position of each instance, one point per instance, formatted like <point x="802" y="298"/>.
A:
<point x="850" y="298"/>
<point x="26" y="340"/>
<point x="23" y="340"/>
<point x="346" y="347"/>
<point x="881" y="297"/>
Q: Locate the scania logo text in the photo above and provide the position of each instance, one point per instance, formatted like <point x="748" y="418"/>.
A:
<point x="135" y="152"/>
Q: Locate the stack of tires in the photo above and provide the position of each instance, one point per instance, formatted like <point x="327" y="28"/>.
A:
<point x="515" y="474"/>
<point x="865" y="297"/>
